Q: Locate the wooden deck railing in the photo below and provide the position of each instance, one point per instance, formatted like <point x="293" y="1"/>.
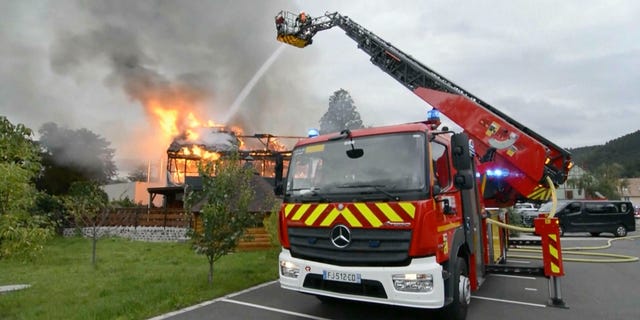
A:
<point x="158" y="217"/>
<point x="149" y="217"/>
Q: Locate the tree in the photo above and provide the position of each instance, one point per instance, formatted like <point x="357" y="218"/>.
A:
<point x="87" y="203"/>
<point x="342" y="114"/>
<point x="584" y="183"/>
<point x="224" y="208"/>
<point x="139" y="173"/>
<point x="73" y="155"/>
<point x="20" y="233"/>
<point x="608" y="180"/>
<point x="604" y="180"/>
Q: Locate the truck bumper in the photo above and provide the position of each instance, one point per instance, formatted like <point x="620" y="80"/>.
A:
<point x="376" y="283"/>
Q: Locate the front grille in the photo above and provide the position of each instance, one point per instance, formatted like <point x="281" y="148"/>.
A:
<point x="369" y="288"/>
<point x="368" y="247"/>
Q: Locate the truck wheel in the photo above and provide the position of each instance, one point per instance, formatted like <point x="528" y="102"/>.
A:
<point x="457" y="310"/>
<point x="621" y="231"/>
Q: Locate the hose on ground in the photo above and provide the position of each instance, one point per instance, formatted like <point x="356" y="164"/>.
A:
<point x="579" y="251"/>
<point x="605" y="257"/>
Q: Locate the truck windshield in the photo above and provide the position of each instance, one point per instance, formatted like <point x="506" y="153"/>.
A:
<point x="390" y="165"/>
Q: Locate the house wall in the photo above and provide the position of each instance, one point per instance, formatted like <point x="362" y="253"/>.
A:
<point x="632" y="191"/>
<point x="135" y="191"/>
<point x="566" y="191"/>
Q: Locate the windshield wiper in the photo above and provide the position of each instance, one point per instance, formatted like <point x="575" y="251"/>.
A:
<point x="306" y="192"/>
<point x="377" y="187"/>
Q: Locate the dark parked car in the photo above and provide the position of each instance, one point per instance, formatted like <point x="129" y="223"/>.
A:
<point x="594" y="216"/>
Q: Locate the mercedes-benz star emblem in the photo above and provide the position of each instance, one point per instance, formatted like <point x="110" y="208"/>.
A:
<point x="340" y="236"/>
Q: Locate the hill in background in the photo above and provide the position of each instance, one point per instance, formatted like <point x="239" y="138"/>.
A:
<point x="624" y="151"/>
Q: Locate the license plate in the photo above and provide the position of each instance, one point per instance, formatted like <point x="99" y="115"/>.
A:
<point x="341" y="276"/>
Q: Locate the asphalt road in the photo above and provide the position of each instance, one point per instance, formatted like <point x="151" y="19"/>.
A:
<point x="589" y="290"/>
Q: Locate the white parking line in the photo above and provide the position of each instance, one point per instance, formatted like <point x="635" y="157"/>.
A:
<point x="530" y="289"/>
<point x="511" y="276"/>
<point x="520" y="261"/>
<point x="206" y="303"/>
<point x="302" y="315"/>
<point x="511" y="301"/>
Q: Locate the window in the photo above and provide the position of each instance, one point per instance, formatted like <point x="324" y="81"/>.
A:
<point x="440" y="161"/>
<point x="394" y="162"/>
<point x="624" y="207"/>
<point x="601" y="208"/>
<point x="573" y="207"/>
<point x="568" y="194"/>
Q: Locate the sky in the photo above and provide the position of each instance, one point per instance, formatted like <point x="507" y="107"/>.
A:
<point x="569" y="70"/>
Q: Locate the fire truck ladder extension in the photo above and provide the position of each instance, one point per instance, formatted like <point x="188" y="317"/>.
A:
<point x="415" y="76"/>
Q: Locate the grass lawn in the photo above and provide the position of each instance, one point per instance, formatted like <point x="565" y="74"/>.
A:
<point x="132" y="280"/>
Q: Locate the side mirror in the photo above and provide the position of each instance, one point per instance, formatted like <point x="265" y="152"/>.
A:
<point x="464" y="180"/>
<point x="461" y="151"/>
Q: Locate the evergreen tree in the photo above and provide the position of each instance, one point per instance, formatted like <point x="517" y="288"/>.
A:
<point x="73" y="155"/>
<point x="139" y="173"/>
<point x="342" y="114"/>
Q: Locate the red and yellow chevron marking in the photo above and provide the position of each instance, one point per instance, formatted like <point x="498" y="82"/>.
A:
<point x="551" y="248"/>
<point x="540" y="193"/>
<point x="554" y="262"/>
<point x="358" y="214"/>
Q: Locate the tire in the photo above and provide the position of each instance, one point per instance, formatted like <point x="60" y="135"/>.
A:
<point x="621" y="231"/>
<point x="457" y="310"/>
<point x="594" y="234"/>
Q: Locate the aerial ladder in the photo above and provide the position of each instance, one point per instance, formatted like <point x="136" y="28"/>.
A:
<point x="516" y="163"/>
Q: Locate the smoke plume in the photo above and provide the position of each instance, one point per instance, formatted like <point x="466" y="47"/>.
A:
<point x="192" y="55"/>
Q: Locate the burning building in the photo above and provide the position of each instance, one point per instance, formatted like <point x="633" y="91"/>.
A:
<point x="268" y="154"/>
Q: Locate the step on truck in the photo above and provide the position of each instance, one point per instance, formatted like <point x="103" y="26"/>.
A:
<point x="396" y="214"/>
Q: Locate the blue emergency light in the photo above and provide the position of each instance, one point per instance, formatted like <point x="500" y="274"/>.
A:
<point x="433" y="119"/>
<point x="433" y="115"/>
<point x="313" y="133"/>
<point x="498" y="173"/>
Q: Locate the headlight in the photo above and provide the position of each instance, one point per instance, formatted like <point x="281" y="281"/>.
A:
<point x="289" y="269"/>
<point x="413" y="282"/>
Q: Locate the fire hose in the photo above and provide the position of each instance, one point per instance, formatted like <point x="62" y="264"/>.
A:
<point x="605" y="257"/>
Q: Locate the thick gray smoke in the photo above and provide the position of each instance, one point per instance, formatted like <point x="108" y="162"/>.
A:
<point x="189" y="52"/>
<point x="131" y="68"/>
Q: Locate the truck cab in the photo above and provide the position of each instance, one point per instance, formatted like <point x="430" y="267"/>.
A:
<point x="382" y="215"/>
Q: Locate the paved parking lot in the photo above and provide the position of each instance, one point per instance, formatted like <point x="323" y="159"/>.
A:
<point x="590" y="290"/>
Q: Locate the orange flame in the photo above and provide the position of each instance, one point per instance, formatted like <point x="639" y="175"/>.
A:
<point x="167" y="119"/>
<point x="179" y="115"/>
<point x="199" y="152"/>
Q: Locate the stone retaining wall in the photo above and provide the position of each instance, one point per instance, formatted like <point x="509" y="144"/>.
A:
<point x="151" y="234"/>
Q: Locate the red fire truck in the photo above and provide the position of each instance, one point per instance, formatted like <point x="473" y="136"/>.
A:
<point x="396" y="214"/>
